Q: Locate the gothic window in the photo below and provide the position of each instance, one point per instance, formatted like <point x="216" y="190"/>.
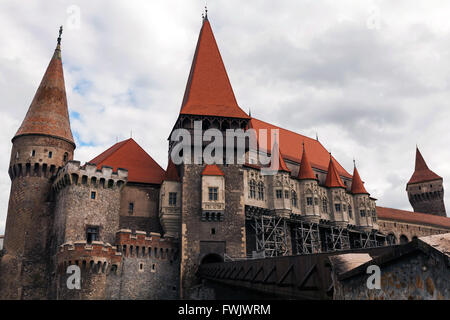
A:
<point x="92" y="234"/>
<point x="362" y="212"/>
<point x="294" y="198"/>
<point x="350" y="213"/>
<point x="309" y="201"/>
<point x="260" y="190"/>
<point x="131" y="207"/>
<point x="337" y="207"/>
<point x="252" y="186"/>
<point x="316" y="201"/>
<point x="212" y="191"/>
<point x="286" y="194"/>
<point x="279" y="194"/>
<point x="325" y="205"/>
<point x="172" y="198"/>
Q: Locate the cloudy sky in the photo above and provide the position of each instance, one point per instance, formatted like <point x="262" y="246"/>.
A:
<point x="372" y="78"/>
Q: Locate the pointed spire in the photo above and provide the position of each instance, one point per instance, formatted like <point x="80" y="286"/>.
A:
<point x="306" y="172"/>
<point x="281" y="164"/>
<point x="48" y="113"/>
<point x="208" y="90"/>
<point x="333" y="179"/>
<point x="171" y="172"/>
<point x="357" y="184"/>
<point x="422" y="173"/>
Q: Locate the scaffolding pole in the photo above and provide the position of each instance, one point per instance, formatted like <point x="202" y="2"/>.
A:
<point x="307" y="238"/>
<point x="271" y="235"/>
<point x="337" y="238"/>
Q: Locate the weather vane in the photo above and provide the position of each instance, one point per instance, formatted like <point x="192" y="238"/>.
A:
<point x="60" y="33"/>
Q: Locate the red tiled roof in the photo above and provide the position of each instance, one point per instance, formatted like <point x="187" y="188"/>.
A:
<point x="212" y="170"/>
<point x="333" y="180"/>
<point x="422" y="173"/>
<point x="129" y="155"/>
<point x="305" y="172"/>
<point x="48" y="113"/>
<point x="281" y="164"/>
<point x="171" y="172"/>
<point x="289" y="144"/>
<point x="208" y="90"/>
<point x="357" y="184"/>
<point x="412" y="217"/>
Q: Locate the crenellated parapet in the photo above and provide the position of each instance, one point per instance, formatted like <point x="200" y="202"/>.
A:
<point x="75" y="174"/>
<point x="142" y="245"/>
<point x="97" y="257"/>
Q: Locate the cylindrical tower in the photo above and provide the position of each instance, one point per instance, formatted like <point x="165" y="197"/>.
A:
<point x="42" y="144"/>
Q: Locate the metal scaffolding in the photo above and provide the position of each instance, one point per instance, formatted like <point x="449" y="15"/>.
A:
<point x="271" y="235"/>
<point x="367" y="240"/>
<point x="337" y="238"/>
<point x="307" y="238"/>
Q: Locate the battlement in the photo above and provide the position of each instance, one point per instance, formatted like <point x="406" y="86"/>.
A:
<point x="88" y="174"/>
<point x="141" y="245"/>
<point x="97" y="257"/>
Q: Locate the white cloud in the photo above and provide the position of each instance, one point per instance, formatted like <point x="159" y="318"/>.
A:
<point x="310" y="66"/>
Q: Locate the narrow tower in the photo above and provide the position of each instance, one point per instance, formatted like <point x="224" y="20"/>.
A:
<point x="42" y="144"/>
<point x="425" y="189"/>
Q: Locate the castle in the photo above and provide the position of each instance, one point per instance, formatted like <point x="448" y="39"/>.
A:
<point x="137" y="231"/>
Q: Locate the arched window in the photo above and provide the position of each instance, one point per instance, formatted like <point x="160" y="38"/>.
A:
<point x="252" y="192"/>
<point x="403" y="239"/>
<point x="325" y="205"/>
<point x="260" y="190"/>
<point x="391" y="239"/>
<point x="294" y="198"/>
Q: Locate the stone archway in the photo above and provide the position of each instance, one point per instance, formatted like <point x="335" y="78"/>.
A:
<point x="211" y="258"/>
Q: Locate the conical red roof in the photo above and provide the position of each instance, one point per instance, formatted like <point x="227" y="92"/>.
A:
<point x="212" y="170"/>
<point x="333" y="179"/>
<point x="48" y="113"/>
<point x="208" y="90"/>
<point x="281" y="164"/>
<point x="171" y="172"/>
<point x="422" y="173"/>
<point x="306" y="172"/>
<point x="357" y="184"/>
<point x="129" y="155"/>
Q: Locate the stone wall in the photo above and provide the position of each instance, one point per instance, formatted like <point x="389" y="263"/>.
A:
<point x="415" y="276"/>
<point x="408" y="230"/>
<point x="199" y="238"/>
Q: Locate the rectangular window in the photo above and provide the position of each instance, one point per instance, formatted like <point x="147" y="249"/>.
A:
<point x="343" y="207"/>
<point x="337" y="207"/>
<point x="172" y="198"/>
<point x="316" y="201"/>
<point x="33" y="153"/>
<point x="309" y="201"/>
<point x="286" y="194"/>
<point x="213" y="194"/>
<point x="131" y="207"/>
<point x="93" y="194"/>
<point x="362" y="213"/>
<point x="50" y="154"/>
<point x="92" y="234"/>
<point x="279" y="194"/>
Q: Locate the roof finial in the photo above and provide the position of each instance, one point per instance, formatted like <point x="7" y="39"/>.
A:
<point x="206" y="9"/>
<point x="354" y="162"/>
<point x="60" y="33"/>
<point x="317" y="136"/>
<point x="249" y="112"/>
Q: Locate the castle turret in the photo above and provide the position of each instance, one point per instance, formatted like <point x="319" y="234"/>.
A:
<point x="364" y="207"/>
<point x="42" y="144"/>
<point x="425" y="189"/>
<point x="309" y="189"/>
<point x="336" y="194"/>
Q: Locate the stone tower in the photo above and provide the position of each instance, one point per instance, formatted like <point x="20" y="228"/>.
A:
<point x="425" y="189"/>
<point x="210" y="227"/>
<point x="42" y="144"/>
